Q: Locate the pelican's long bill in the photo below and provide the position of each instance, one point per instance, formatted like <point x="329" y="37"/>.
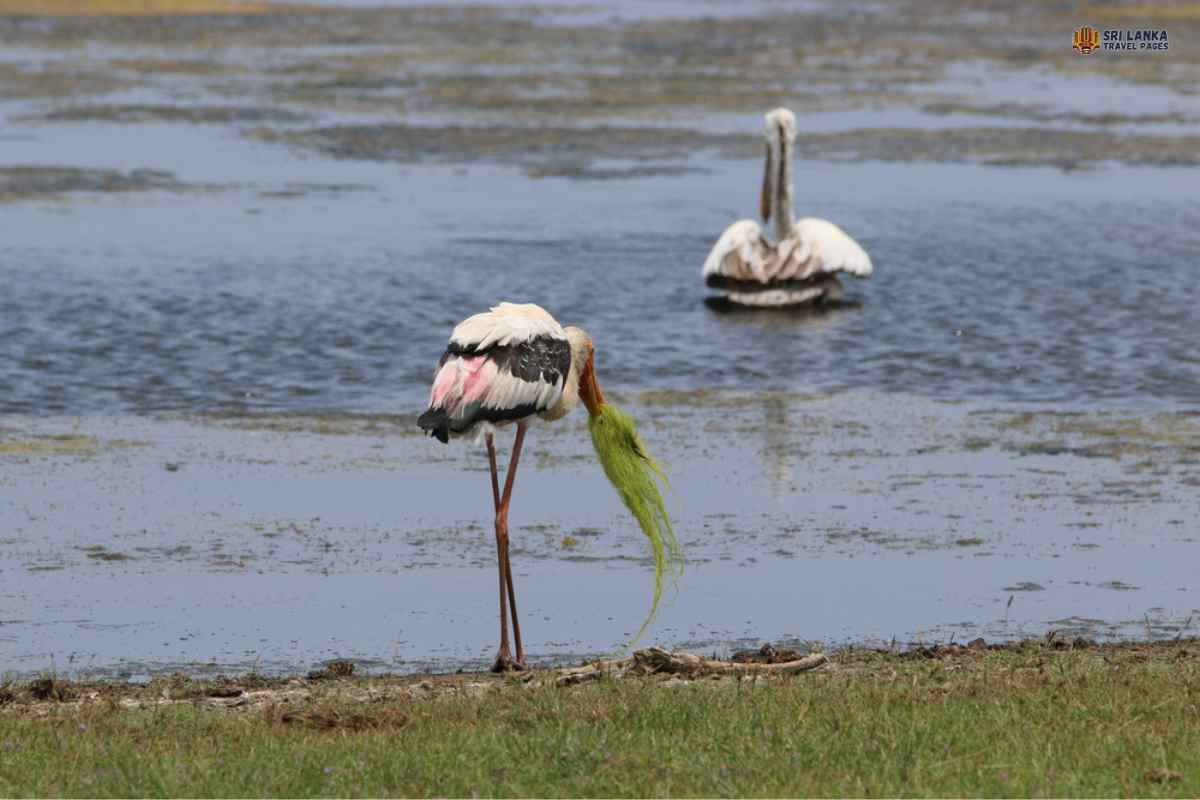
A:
<point x="635" y="475"/>
<point x="764" y="200"/>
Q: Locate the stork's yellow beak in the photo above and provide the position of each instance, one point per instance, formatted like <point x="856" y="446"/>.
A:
<point x="589" y="390"/>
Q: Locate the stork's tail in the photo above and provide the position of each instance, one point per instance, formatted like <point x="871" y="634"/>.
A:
<point x="437" y="422"/>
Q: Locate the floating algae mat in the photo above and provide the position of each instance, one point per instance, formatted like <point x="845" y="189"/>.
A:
<point x="635" y="475"/>
<point x="132" y="8"/>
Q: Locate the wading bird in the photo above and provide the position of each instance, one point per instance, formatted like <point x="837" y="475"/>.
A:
<point x="512" y="364"/>
<point x="801" y="266"/>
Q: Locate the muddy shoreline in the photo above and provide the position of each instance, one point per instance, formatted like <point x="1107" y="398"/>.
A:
<point x="335" y="683"/>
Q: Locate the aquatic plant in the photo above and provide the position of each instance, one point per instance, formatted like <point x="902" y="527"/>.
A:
<point x="635" y="475"/>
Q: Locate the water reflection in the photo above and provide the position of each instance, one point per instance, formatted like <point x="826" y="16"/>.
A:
<point x="777" y="465"/>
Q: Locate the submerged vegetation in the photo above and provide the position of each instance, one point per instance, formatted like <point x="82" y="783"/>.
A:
<point x="135" y="8"/>
<point x="548" y="90"/>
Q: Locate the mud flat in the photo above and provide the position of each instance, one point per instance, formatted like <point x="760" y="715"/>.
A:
<point x="130" y="8"/>
<point x="894" y="81"/>
<point x="45" y="182"/>
<point x="571" y="152"/>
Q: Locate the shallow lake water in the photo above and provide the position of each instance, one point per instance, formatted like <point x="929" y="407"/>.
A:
<point x="274" y="541"/>
<point x="1017" y="285"/>
<point x="211" y="363"/>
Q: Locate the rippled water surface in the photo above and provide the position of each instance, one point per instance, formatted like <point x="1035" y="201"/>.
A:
<point x="225" y="278"/>
<point x="1004" y="284"/>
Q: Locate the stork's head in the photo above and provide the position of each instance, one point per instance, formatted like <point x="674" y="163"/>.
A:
<point x="583" y="365"/>
<point x="781" y="134"/>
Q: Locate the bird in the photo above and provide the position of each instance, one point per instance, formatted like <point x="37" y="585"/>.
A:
<point x="509" y="366"/>
<point x="801" y="266"/>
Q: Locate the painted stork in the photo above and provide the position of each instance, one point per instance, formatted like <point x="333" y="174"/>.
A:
<point x="801" y="266"/>
<point x="512" y="364"/>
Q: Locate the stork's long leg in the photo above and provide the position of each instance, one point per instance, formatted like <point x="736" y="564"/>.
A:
<point x="491" y="448"/>
<point x="506" y="565"/>
<point x="503" y="657"/>
<point x="508" y="484"/>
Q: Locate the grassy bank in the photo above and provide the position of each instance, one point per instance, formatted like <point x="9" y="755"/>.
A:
<point x="1113" y="720"/>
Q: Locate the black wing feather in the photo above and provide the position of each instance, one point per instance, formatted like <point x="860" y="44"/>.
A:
<point x="545" y="359"/>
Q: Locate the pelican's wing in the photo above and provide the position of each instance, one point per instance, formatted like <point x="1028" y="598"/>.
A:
<point x="741" y="254"/>
<point x="817" y="246"/>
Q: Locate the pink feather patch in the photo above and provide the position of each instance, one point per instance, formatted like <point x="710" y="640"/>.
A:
<point x="461" y="381"/>
<point x="480" y="380"/>
<point x="443" y="383"/>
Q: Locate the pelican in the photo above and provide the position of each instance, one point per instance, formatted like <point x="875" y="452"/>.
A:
<point x="513" y="364"/>
<point x="801" y="266"/>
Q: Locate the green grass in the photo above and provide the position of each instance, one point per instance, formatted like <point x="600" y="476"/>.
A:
<point x="1026" y="721"/>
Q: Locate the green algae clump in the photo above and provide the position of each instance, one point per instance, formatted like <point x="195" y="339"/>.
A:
<point x="635" y="475"/>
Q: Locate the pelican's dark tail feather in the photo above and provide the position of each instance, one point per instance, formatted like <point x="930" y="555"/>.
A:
<point x="437" y="422"/>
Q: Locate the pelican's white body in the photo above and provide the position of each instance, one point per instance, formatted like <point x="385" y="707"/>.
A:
<point x="807" y="249"/>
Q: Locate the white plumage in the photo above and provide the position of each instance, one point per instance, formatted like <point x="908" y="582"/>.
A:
<point x="505" y="365"/>
<point x="815" y="247"/>
<point x="504" y="324"/>
<point x="801" y="265"/>
<point x="500" y="389"/>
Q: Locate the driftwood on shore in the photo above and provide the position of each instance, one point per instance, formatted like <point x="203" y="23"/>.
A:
<point x="294" y="697"/>
<point x="656" y="660"/>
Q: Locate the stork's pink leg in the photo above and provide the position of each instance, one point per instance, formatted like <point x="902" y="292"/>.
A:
<point x="507" y="566"/>
<point x="503" y="659"/>
<point x="508" y="484"/>
<point x="491" y="447"/>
